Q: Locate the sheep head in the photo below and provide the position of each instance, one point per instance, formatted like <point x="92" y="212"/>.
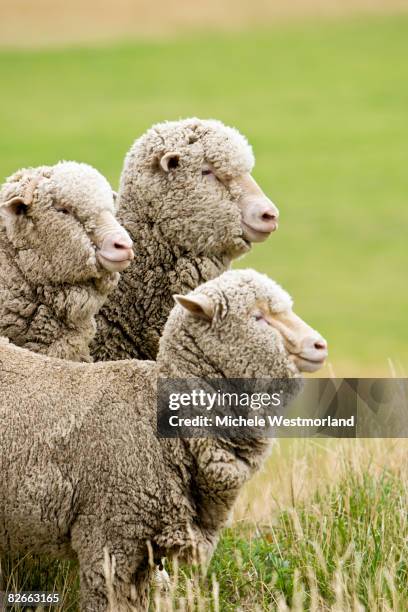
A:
<point x="243" y="325"/>
<point x="190" y="181"/>
<point x="60" y="220"/>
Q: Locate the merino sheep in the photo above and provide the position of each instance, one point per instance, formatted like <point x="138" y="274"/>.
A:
<point x="190" y="205"/>
<point x="61" y="250"/>
<point x="82" y="472"/>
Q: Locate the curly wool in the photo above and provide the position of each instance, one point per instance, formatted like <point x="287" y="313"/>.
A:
<point x="82" y="472"/>
<point x="185" y="231"/>
<point x="51" y="284"/>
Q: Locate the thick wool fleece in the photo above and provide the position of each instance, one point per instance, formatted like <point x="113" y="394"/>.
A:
<point x="82" y="472"/>
<point x="51" y="284"/>
<point x="186" y="229"/>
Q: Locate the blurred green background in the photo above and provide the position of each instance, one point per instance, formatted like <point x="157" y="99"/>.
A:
<point x="324" y="104"/>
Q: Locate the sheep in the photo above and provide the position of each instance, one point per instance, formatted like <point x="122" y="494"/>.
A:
<point x="61" y="250"/>
<point x="83" y="473"/>
<point x="190" y="205"/>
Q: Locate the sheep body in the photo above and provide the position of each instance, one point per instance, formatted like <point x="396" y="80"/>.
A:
<point x="186" y="226"/>
<point x="82" y="471"/>
<point x="51" y="280"/>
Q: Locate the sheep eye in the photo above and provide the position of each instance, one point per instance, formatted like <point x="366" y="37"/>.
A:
<point x="64" y="211"/>
<point x="260" y="318"/>
<point x="206" y="172"/>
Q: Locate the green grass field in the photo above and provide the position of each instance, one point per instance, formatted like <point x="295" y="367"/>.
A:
<point x="325" y="106"/>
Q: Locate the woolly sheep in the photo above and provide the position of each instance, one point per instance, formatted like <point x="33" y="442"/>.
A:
<point x="190" y="205"/>
<point x="61" y="250"/>
<point x="82" y="472"/>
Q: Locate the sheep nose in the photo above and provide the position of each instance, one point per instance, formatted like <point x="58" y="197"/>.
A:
<point x="268" y="217"/>
<point x="117" y="247"/>
<point x="314" y="347"/>
<point x="259" y="218"/>
<point x="115" y="253"/>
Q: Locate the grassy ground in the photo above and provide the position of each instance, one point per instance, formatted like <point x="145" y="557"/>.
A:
<point x="341" y="549"/>
<point x="325" y="107"/>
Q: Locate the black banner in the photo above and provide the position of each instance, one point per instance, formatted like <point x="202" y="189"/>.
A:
<point x="315" y="407"/>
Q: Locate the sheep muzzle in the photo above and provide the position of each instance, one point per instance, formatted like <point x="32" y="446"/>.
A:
<point x="307" y="348"/>
<point x="114" y="248"/>
<point x="259" y="215"/>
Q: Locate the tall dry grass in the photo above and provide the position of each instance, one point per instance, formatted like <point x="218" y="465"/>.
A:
<point x="324" y="527"/>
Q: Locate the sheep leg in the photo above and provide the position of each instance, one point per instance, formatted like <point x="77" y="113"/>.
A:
<point x="91" y="601"/>
<point x="127" y="591"/>
<point x="94" y="596"/>
<point x="109" y="581"/>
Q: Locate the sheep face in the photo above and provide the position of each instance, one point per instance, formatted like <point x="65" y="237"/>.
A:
<point x="61" y="222"/>
<point x="244" y="324"/>
<point x="195" y="176"/>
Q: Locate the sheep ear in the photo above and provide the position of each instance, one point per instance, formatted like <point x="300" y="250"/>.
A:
<point x="169" y="161"/>
<point x="198" y="305"/>
<point x="14" y="207"/>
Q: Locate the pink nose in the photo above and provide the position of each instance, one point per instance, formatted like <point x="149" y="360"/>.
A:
<point x="117" y="247"/>
<point x="269" y="216"/>
<point x="320" y="345"/>
<point x="268" y="219"/>
<point x="314" y="347"/>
